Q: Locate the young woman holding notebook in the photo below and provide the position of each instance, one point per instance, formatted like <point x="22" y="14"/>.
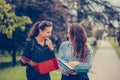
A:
<point x="38" y="48"/>
<point x="75" y="52"/>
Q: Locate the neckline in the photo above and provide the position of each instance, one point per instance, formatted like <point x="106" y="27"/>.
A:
<point x="39" y="43"/>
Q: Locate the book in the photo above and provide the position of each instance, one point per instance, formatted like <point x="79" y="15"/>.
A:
<point x="67" y="67"/>
<point x="47" y="66"/>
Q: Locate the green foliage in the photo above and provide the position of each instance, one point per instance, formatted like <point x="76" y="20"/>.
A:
<point x="99" y="34"/>
<point x="103" y="11"/>
<point x="52" y="10"/>
<point x="9" y="22"/>
<point x="88" y="27"/>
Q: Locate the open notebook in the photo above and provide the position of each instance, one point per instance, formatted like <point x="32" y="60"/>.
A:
<point x="67" y="67"/>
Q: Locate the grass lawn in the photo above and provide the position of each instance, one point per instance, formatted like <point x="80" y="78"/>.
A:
<point x="18" y="72"/>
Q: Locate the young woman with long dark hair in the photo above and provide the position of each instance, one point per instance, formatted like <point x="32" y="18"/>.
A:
<point x="75" y="52"/>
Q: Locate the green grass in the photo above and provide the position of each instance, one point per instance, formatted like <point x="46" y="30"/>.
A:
<point x="55" y="75"/>
<point x="18" y="73"/>
<point x="13" y="73"/>
<point x="7" y="72"/>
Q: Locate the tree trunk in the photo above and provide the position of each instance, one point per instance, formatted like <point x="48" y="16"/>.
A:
<point x="14" y="58"/>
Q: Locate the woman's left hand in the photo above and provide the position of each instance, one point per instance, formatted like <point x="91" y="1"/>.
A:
<point x="73" y="63"/>
<point x="73" y="73"/>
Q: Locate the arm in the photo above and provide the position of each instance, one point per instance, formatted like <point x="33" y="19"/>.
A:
<point x="26" y="53"/>
<point x="49" y="47"/>
<point x="61" y="56"/>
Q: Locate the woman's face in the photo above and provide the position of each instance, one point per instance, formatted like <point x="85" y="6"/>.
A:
<point x="68" y="33"/>
<point x="46" y="33"/>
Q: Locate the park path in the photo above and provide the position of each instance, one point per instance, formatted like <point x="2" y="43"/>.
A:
<point x="106" y="64"/>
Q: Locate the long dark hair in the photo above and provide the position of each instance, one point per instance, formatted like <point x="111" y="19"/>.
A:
<point x="78" y="38"/>
<point x="34" y="31"/>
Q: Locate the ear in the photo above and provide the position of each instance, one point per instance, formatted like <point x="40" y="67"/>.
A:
<point x="40" y="30"/>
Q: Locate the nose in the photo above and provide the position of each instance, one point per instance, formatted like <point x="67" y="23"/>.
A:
<point x="49" y="34"/>
<point x="67" y="35"/>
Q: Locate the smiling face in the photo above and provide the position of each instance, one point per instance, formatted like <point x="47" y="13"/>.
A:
<point x="68" y="33"/>
<point x="46" y="33"/>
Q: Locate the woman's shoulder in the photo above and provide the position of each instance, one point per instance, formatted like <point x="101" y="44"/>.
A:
<point x="29" y="41"/>
<point x="65" y="43"/>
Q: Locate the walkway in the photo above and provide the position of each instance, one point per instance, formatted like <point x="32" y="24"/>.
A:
<point x="106" y="64"/>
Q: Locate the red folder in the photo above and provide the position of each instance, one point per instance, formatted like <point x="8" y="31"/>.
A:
<point x="47" y="66"/>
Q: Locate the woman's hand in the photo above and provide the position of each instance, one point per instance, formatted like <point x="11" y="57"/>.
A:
<point x="24" y="59"/>
<point x="73" y="73"/>
<point x="73" y="63"/>
<point x="31" y="63"/>
<point x="28" y="61"/>
<point x="49" y="43"/>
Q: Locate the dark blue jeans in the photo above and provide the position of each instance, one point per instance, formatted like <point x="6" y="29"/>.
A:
<point x="79" y="76"/>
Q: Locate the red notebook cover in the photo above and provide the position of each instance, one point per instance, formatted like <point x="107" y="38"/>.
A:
<point x="47" y="66"/>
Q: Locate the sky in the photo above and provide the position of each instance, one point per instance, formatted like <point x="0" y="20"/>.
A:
<point x="114" y="2"/>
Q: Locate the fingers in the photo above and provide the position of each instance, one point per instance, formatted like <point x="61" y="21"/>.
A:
<point x="49" y="43"/>
<point x="28" y="61"/>
<point x="73" y="63"/>
<point x="24" y="59"/>
<point x="73" y="73"/>
<point x="32" y="63"/>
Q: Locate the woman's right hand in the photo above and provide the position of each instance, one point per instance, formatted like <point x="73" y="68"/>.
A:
<point x="73" y="63"/>
<point x="28" y="61"/>
<point x="24" y="60"/>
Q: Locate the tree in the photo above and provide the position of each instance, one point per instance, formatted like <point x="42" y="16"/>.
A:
<point x="9" y="23"/>
<point x="98" y="10"/>
<point x="52" y="10"/>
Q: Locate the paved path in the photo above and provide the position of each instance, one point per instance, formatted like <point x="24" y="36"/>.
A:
<point x="106" y="63"/>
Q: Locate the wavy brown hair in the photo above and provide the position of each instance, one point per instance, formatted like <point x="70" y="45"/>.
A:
<point x="78" y="37"/>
